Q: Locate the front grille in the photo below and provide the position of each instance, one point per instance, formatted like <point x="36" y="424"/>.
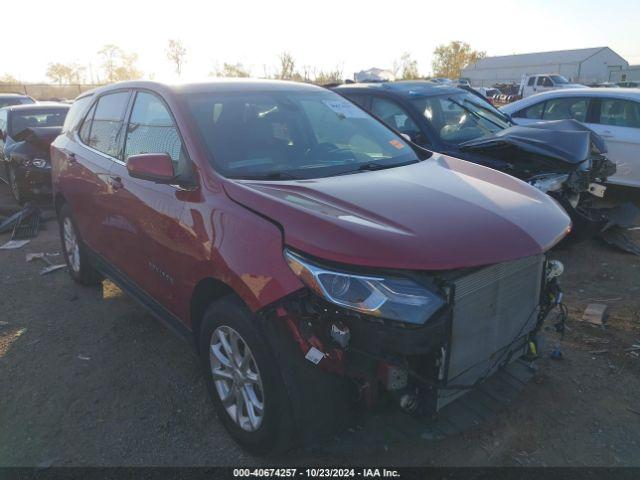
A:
<point x="494" y="309"/>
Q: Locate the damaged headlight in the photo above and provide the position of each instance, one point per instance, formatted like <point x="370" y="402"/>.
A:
<point x="393" y="298"/>
<point x="550" y="183"/>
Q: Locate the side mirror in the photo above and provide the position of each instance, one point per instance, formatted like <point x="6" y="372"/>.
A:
<point x="155" y="167"/>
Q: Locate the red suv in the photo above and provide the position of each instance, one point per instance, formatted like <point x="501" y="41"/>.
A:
<point x="317" y="260"/>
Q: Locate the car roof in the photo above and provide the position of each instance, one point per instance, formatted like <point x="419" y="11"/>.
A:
<point x="13" y="95"/>
<point x="211" y="86"/>
<point x="406" y="88"/>
<point x="626" y="93"/>
<point x="38" y="106"/>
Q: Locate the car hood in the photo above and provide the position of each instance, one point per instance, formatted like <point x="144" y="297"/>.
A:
<point x="567" y="141"/>
<point x="439" y="214"/>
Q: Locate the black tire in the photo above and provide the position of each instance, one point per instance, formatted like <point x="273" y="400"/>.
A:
<point x="275" y="433"/>
<point x="85" y="273"/>
<point x="14" y="186"/>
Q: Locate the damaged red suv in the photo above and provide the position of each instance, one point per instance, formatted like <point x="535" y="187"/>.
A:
<point x="318" y="261"/>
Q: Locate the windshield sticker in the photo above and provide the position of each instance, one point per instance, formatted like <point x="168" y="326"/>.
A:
<point x="396" y="143"/>
<point x="345" y="109"/>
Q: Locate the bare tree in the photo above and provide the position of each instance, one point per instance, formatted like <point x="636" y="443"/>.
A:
<point x="118" y="65"/>
<point x="287" y="68"/>
<point x="176" y="54"/>
<point x="65" y="73"/>
<point x="9" y="79"/>
<point x="58" y="72"/>
<point x="111" y="55"/>
<point x="229" y="70"/>
<point x="449" y="60"/>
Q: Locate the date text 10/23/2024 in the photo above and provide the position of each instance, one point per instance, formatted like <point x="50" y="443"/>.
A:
<point x="316" y="472"/>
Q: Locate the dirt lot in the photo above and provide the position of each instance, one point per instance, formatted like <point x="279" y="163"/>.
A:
<point x="88" y="378"/>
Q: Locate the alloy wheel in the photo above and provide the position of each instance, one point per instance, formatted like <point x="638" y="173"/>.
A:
<point x="237" y="378"/>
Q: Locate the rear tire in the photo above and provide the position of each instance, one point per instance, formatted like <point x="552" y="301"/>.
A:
<point x="240" y="370"/>
<point x="74" y="250"/>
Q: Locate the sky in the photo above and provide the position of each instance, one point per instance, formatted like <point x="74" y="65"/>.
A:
<point x="349" y="34"/>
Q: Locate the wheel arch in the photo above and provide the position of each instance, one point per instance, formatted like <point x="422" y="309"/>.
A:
<point x="206" y="291"/>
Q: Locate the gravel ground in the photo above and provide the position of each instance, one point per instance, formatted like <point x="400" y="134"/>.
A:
<point x="88" y="378"/>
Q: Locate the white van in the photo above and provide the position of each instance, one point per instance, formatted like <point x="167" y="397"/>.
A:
<point x="543" y="82"/>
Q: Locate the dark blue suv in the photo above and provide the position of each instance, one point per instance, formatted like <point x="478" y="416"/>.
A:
<point x="564" y="159"/>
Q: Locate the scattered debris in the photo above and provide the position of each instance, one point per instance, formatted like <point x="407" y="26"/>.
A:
<point x="617" y="237"/>
<point x="633" y="411"/>
<point x="598" y="352"/>
<point x="27" y="225"/>
<point x="595" y="313"/>
<point x="45" y="258"/>
<point x="633" y="348"/>
<point x="622" y="219"/>
<point x="3" y="323"/>
<point x="83" y="357"/>
<point x="14" y="244"/>
<point x="23" y="222"/>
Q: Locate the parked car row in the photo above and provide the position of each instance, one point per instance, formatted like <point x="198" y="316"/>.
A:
<point x="305" y="248"/>
<point x="612" y="113"/>
<point x="370" y="244"/>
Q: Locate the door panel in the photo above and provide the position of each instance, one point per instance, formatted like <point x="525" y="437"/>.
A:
<point x="623" y="148"/>
<point x="85" y="181"/>
<point x="618" y="122"/>
<point x="148" y="214"/>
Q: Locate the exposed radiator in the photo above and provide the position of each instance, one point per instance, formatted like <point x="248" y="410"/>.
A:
<point x="492" y="308"/>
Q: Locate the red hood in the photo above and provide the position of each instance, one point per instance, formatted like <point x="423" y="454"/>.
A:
<point x="439" y="214"/>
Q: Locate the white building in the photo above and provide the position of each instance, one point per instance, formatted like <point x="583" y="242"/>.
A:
<point x="585" y="65"/>
<point x="630" y="74"/>
<point x="374" y="75"/>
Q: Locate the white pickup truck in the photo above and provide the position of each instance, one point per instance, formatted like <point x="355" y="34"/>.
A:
<point x="543" y="82"/>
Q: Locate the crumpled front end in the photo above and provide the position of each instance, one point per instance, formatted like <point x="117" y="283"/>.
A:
<point x="564" y="159"/>
<point x="489" y="317"/>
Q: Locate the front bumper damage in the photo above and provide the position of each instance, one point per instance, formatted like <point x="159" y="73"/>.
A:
<point x="421" y="369"/>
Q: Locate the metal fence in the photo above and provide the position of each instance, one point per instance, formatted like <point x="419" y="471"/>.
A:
<point x="46" y="91"/>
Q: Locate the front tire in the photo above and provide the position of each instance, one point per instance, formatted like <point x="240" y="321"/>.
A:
<point x="243" y="378"/>
<point x="75" y="251"/>
<point x="16" y="190"/>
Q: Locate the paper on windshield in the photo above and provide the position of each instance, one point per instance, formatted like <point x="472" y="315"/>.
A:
<point x="345" y="109"/>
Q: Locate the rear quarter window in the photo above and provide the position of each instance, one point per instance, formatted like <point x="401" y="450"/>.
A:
<point x="76" y="112"/>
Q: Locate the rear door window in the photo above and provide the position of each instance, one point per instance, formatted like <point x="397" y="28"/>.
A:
<point x="106" y="126"/>
<point x="619" y="113"/>
<point x="151" y="129"/>
<point x="566" y="108"/>
<point x="75" y="114"/>
<point x="532" y="81"/>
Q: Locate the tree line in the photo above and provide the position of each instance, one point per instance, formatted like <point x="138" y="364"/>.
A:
<point x="116" y="64"/>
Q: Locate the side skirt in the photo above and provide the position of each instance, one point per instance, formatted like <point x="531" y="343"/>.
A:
<point x="143" y="298"/>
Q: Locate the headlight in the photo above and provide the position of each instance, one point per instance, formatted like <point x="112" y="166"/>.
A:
<point x="393" y="298"/>
<point x="550" y="183"/>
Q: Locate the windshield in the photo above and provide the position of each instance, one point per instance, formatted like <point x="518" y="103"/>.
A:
<point x="280" y="135"/>
<point x="36" y="118"/>
<point x="558" y="79"/>
<point x="460" y="117"/>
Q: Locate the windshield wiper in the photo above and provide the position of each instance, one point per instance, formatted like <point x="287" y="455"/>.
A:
<point x="268" y="176"/>
<point x="373" y="166"/>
